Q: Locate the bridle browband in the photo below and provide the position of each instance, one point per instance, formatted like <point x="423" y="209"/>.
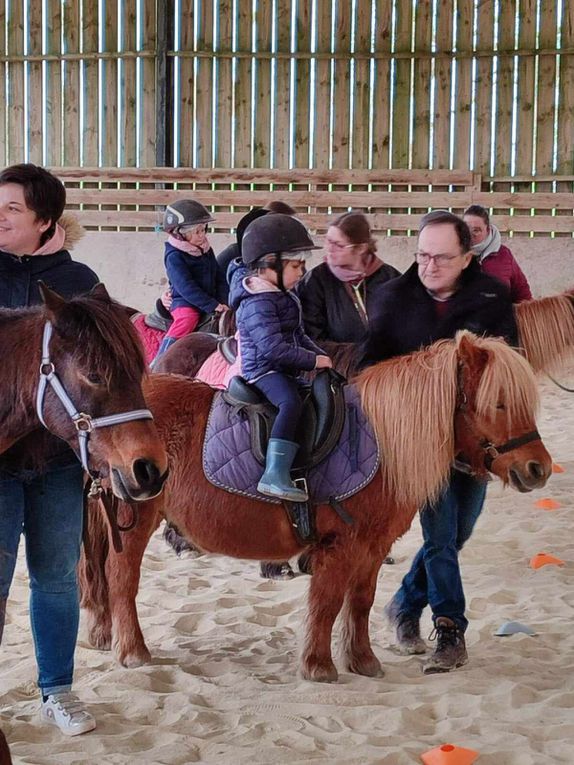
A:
<point x="491" y="451"/>
<point x="84" y="423"/>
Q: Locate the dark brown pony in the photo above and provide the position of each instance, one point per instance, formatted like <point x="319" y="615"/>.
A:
<point x="458" y="395"/>
<point x="97" y="357"/>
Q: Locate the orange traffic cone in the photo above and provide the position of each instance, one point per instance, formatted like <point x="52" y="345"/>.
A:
<point x="556" y="468"/>
<point x="544" y="559"/>
<point x="548" y="504"/>
<point x="448" y="754"/>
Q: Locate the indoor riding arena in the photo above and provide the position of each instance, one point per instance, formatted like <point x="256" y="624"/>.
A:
<point x="220" y="651"/>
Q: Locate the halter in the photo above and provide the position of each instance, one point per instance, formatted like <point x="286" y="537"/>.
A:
<point x="492" y="452"/>
<point x="84" y="423"/>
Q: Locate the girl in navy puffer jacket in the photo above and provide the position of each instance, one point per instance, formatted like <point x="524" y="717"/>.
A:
<point x="274" y="347"/>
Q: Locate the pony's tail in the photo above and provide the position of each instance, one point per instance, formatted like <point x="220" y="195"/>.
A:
<point x="546" y="331"/>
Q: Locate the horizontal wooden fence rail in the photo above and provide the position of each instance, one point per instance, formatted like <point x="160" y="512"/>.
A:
<point x="135" y="198"/>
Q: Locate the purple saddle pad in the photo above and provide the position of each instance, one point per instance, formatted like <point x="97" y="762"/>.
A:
<point x="229" y="463"/>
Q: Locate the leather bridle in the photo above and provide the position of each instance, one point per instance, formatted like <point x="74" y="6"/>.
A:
<point x="492" y="451"/>
<point x="83" y="422"/>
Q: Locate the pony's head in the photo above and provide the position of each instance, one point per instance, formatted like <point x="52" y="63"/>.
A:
<point x="497" y="399"/>
<point x="97" y="356"/>
<point x="475" y="396"/>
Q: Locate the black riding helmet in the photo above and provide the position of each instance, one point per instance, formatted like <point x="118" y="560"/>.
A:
<point x="276" y="236"/>
<point x="185" y="212"/>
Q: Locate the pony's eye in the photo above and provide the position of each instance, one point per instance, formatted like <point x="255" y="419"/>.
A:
<point x="94" y="378"/>
<point x="501" y="406"/>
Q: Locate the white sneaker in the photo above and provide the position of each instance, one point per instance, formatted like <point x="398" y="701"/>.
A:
<point x="67" y="712"/>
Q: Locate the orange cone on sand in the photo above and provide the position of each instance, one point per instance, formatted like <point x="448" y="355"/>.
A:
<point x="548" y="504"/>
<point x="544" y="559"/>
<point x="448" y="754"/>
<point x="556" y="468"/>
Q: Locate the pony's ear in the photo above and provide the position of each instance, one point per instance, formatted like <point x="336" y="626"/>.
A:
<point x="52" y="300"/>
<point x="100" y="292"/>
<point x="470" y="354"/>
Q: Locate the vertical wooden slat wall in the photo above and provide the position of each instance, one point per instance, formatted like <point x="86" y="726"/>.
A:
<point x="3" y="72"/>
<point x="463" y="90"/>
<point x="485" y="85"/>
<point x="16" y="116"/>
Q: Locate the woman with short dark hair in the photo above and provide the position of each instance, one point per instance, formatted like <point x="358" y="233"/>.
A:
<point x="43" y="503"/>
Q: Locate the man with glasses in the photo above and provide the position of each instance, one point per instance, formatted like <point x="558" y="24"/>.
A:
<point x="442" y="292"/>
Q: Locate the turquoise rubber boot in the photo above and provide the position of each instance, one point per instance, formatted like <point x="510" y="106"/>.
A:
<point x="276" y="480"/>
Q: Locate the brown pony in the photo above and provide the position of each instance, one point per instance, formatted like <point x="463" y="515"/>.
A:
<point x="466" y="394"/>
<point x="96" y="355"/>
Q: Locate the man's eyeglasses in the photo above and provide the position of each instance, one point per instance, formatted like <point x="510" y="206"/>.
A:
<point x="194" y="228"/>
<point x="423" y="259"/>
<point x="338" y="245"/>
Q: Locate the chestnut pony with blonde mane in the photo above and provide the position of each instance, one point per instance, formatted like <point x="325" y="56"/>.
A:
<point x="97" y="356"/>
<point x="458" y="395"/>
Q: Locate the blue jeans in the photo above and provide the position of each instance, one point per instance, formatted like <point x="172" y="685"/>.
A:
<point x="48" y="510"/>
<point x="434" y="577"/>
<point x="283" y="392"/>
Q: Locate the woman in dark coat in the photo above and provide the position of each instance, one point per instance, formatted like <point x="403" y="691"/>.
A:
<point x="339" y="295"/>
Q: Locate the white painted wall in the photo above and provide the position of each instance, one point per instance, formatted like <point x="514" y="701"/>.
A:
<point x="131" y="264"/>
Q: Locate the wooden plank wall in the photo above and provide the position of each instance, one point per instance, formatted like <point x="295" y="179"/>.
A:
<point x="485" y="86"/>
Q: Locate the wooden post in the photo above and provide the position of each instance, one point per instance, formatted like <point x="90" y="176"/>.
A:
<point x="164" y="86"/>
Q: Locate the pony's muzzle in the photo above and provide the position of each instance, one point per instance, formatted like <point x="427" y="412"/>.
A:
<point x="145" y="482"/>
<point x="533" y="475"/>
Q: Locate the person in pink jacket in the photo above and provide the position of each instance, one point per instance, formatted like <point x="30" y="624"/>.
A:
<point x="495" y="258"/>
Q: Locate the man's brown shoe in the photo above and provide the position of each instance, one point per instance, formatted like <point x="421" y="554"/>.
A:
<point x="450" y="651"/>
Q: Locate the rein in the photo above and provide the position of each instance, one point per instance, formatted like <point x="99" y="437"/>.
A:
<point x="562" y="387"/>
<point x="83" y="422"/>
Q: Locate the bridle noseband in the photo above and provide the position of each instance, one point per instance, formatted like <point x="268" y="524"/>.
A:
<point x="84" y="423"/>
<point x="491" y="451"/>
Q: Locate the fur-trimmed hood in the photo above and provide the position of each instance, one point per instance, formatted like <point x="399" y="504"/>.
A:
<point x="74" y="231"/>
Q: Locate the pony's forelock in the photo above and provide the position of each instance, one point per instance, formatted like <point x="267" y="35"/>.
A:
<point x="507" y="376"/>
<point x="114" y="348"/>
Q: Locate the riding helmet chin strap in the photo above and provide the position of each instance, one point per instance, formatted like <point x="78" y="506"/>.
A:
<point x="84" y="422"/>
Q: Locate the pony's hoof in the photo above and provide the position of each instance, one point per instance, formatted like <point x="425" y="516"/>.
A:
<point x="271" y="570"/>
<point x="369" y="666"/>
<point x="320" y="673"/>
<point x="134" y="658"/>
<point x="100" y="639"/>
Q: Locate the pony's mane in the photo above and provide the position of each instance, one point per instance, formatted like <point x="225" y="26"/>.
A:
<point x="410" y="401"/>
<point x="546" y="329"/>
<point x="104" y="336"/>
